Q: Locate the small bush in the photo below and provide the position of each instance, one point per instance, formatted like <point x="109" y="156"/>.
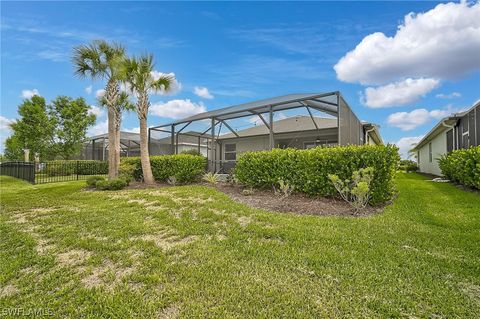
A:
<point x="210" y="178"/>
<point x="462" y="166"/>
<point x="231" y="178"/>
<point x="114" y="184"/>
<point x="92" y="180"/>
<point x="356" y="191"/>
<point x="308" y="170"/>
<point x="284" y="189"/>
<point x="185" y="167"/>
<point x="408" y="166"/>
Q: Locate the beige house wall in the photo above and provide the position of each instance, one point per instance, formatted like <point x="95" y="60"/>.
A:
<point x="439" y="148"/>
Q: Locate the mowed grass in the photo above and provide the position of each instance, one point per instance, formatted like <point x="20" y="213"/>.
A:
<point x="190" y="252"/>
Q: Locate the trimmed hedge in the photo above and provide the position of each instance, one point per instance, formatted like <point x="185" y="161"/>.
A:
<point x="308" y="170"/>
<point x="462" y="166"/>
<point x="80" y="167"/>
<point x="185" y="167"/>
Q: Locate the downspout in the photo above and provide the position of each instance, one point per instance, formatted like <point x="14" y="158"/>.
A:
<point x="367" y="138"/>
<point x="453" y="134"/>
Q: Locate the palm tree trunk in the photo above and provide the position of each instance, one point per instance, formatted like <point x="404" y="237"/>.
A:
<point x="118" y="124"/>
<point x="112" y="141"/>
<point x="111" y="94"/>
<point x="144" y="155"/>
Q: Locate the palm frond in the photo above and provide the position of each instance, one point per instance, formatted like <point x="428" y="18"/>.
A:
<point x="164" y="83"/>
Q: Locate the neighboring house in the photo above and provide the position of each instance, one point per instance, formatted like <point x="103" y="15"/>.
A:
<point x="96" y="148"/>
<point x="339" y="126"/>
<point x="460" y="130"/>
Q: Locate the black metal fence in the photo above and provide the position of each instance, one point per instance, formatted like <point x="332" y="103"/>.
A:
<point x="54" y="171"/>
<point x="22" y="170"/>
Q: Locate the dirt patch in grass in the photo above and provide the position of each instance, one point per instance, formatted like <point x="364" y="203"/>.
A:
<point x="107" y="275"/>
<point x="73" y="257"/>
<point x="295" y="203"/>
<point x="471" y="290"/>
<point x="140" y="185"/>
<point x="166" y="242"/>
<point x="8" y="290"/>
<point x="170" y="312"/>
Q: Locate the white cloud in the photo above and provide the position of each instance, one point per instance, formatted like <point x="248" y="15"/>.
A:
<point x="442" y="43"/>
<point x="448" y="96"/>
<point x="27" y="94"/>
<point x="176" y="86"/>
<point x="202" y="92"/>
<point x="176" y="109"/>
<point x="409" y="120"/>
<point x="98" y="111"/>
<point x="88" y="89"/>
<point x="99" y="128"/>
<point x="399" y="93"/>
<point x="5" y="130"/>
<point x="100" y="93"/>
<point x="5" y="123"/>
<point x="405" y="144"/>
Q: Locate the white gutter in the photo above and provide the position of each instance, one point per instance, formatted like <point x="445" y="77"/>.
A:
<point x="454" y="135"/>
<point x="368" y="131"/>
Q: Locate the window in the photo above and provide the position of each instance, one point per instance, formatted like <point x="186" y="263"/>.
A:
<point x="430" y="157"/>
<point x="230" y="152"/>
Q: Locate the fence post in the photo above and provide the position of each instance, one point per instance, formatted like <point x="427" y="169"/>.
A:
<point x="76" y="169"/>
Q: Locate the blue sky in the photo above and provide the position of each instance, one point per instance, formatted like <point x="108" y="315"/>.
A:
<point x="231" y="53"/>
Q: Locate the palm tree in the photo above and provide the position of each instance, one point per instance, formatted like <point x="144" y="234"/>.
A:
<point x="123" y="104"/>
<point x="102" y="60"/>
<point x="140" y="80"/>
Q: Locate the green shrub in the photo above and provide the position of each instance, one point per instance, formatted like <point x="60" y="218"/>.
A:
<point x="408" y="166"/>
<point x="211" y="178"/>
<point x="356" y="191"/>
<point x="308" y="170"/>
<point x="114" y="184"/>
<point x="59" y="168"/>
<point x="127" y="171"/>
<point x="191" y="151"/>
<point x="462" y="166"/>
<point x="91" y="167"/>
<point x="185" y="168"/>
<point x="82" y="167"/>
<point x="92" y="180"/>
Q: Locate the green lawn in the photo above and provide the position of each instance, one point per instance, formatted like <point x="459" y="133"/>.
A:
<point x="190" y="252"/>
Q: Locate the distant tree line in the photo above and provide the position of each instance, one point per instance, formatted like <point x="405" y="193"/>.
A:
<point x="51" y="131"/>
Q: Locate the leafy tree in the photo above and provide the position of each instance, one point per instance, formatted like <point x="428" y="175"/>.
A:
<point x="102" y="60"/>
<point x="14" y="148"/>
<point x="72" y="120"/>
<point x="34" y="130"/>
<point x="58" y="129"/>
<point x="139" y="78"/>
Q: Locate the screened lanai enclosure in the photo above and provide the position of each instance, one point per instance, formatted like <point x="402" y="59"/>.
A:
<point x="96" y="148"/>
<point x="295" y="120"/>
